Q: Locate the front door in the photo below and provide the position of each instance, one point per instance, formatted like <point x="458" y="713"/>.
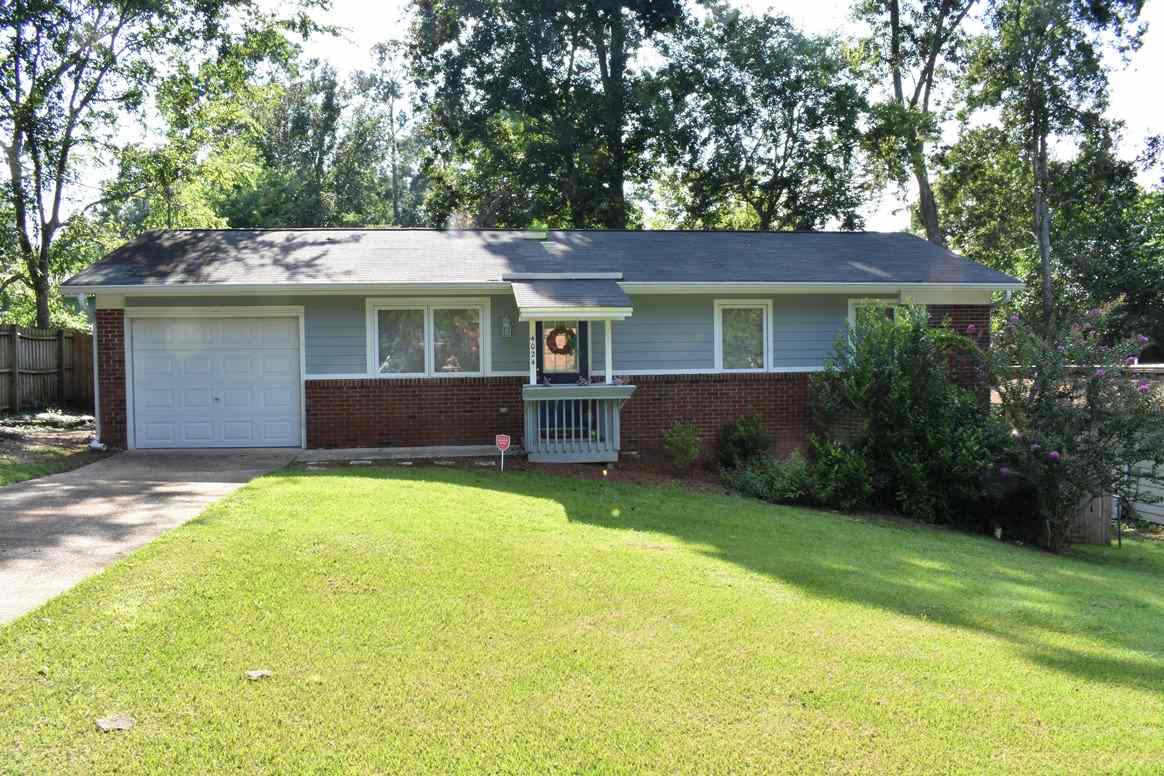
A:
<point x="563" y="351"/>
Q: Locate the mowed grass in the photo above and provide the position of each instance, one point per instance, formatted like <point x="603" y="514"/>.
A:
<point x="441" y="620"/>
<point x="40" y="462"/>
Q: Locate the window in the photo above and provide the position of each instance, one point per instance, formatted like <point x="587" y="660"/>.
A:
<point x="859" y="308"/>
<point x="433" y="338"/>
<point x="741" y="335"/>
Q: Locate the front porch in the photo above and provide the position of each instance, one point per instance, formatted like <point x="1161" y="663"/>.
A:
<point x="569" y="417"/>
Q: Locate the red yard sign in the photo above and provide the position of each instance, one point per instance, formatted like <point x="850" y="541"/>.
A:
<point x="502" y="442"/>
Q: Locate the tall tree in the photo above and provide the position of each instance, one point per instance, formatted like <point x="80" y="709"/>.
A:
<point x="913" y="41"/>
<point x="68" y="71"/>
<point x="546" y="94"/>
<point x="1041" y="63"/>
<point x="763" y="116"/>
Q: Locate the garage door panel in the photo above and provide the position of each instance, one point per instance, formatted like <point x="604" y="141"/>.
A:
<point x="232" y="382"/>
<point x="196" y="364"/>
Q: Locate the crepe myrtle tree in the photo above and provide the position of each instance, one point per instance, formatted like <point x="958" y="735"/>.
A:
<point x="1083" y="423"/>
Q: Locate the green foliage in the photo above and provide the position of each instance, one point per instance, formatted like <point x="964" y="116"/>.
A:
<point x="1083" y="424"/>
<point x="742" y="441"/>
<point x="70" y="73"/>
<point x="682" y="444"/>
<point x="779" y="481"/>
<point x="842" y="476"/>
<point x="926" y="439"/>
<point x="536" y="110"/>
<point x="762" y="116"/>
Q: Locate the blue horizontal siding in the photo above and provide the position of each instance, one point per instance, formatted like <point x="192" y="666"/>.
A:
<point x="666" y="332"/>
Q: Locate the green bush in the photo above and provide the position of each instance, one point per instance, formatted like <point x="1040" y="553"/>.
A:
<point x="924" y="440"/>
<point x="841" y="476"/>
<point x="741" y="442"/>
<point x="780" y="481"/>
<point x="681" y="444"/>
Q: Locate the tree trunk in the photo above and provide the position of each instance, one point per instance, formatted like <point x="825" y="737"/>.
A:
<point x="1043" y="218"/>
<point x="927" y="204"/>
<point x="41" y="287"/>
<point x="614" y="84"/>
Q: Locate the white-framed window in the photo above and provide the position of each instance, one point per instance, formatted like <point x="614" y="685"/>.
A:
<point x="743" y="342"/>
<point x="445" y="337"/>
<point x="859" y="307"/>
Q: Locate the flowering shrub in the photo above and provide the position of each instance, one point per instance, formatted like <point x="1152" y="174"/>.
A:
<point x="1080" y="421"/>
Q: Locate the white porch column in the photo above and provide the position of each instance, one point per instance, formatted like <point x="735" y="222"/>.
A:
<point x="608" y="368"/>
<point x="533" y="353"/>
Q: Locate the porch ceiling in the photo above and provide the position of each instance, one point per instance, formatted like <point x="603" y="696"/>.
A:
<point x="583" y="299"/>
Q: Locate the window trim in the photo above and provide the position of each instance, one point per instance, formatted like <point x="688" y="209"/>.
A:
<point x="748" y="304"/>
<point x="372" y="307"/>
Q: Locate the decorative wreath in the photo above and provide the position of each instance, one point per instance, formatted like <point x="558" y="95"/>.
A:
<point x="562" y="350"/>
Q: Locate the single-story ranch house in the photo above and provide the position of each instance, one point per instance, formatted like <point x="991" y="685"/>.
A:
<point x="577" y="343"/>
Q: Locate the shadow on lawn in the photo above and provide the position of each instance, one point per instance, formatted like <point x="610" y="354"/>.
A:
<point x="1016" y="594"/>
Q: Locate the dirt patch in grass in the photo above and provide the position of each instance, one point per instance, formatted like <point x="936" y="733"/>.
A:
<point x="38" y="445"/>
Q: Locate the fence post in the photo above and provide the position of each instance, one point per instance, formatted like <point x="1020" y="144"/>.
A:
<point x="60" y="368"/>
<point x="15" y="369"/>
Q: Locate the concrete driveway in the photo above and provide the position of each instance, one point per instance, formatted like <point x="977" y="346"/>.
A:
<point x="55" y="531"/>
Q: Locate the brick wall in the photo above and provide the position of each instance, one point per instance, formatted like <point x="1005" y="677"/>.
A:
<point x="780" y="400"/>
<point x="961" y="318"/>
<point x="111" y="376"/>
<point x="412" y="413"/>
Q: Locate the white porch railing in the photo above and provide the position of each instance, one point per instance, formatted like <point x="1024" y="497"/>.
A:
<point x="573" y="423"/>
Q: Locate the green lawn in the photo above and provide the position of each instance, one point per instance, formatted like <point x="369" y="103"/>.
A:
<point x="444" y="620"/>
<point x="41" y="461"/>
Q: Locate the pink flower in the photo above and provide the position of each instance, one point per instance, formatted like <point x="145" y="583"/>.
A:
<point x="1144" y="386"/>
<point x="1100" y="372"/>
<point x="1004" y="471"/>
<point x="1053" y="456"/>
<point x="1014" y="318"/>
<point x="1142" y="339"/>
<point x="971" y="329"/>
<point x="1131" y="361"/>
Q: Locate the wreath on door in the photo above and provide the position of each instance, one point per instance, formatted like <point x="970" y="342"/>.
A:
<point x="562" y="335"/>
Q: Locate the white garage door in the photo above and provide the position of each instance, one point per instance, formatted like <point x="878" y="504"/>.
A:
<point x="216" y="382"/>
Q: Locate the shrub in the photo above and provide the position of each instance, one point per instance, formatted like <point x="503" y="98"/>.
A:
<point x="780" y="481"/>
<point x="681" y="444"/>
<point x="925" y="441"/>
<point x="1078" y="431"/>
<point x="741" y="442"/>
<point x="841" y="476"/>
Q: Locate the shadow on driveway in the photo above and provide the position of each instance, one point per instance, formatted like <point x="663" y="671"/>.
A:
<point x="57" y="530"/>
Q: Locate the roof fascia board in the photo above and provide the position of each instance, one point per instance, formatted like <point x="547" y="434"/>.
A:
<point x="576" y="313"/>
<point x="289" y="289"/>
<point x="808" y="288"/>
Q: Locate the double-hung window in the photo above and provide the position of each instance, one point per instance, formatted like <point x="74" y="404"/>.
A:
<point x="742" y="340"/>
<point x="428" y="338"/>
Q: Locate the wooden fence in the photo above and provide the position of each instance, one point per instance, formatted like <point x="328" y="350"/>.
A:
<point x="45" y="368"/>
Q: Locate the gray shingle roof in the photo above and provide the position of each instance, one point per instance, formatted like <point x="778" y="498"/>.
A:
<point x="542" y="294"/>
<point x="325" y="256"/>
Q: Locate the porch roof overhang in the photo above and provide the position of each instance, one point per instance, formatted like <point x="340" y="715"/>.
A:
<point x="583" y="299"/>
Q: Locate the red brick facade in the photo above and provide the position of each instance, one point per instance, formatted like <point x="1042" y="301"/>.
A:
<point x="408" y="413"/>
<point x="712" y="401"/>
<point x="470" y="411"/>
<point x="111" y="377"/>
<point x="961" y="318"/>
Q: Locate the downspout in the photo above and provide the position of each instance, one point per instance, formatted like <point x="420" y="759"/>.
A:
<point x="90" y="309"/>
